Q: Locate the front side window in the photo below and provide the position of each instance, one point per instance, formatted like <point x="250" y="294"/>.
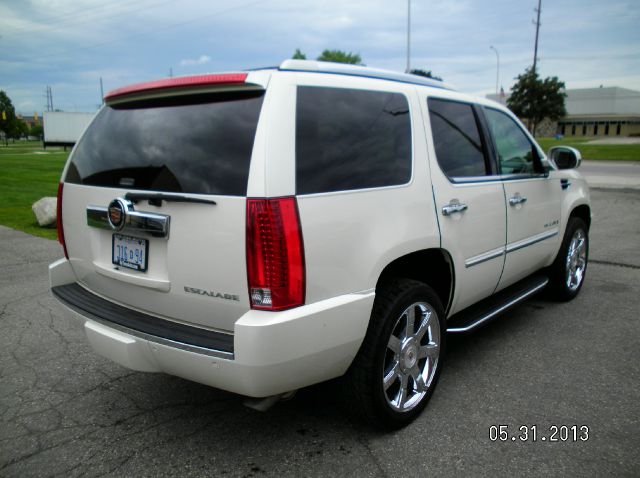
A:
<point x="456" y="138"/>
<point x="516" y="154"/>
<point x="351" y="139"/>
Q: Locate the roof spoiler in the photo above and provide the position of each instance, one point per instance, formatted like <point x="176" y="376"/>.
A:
<point x="186" y="84"/>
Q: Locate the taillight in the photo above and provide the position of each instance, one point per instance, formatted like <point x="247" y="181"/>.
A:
<point x="59" y="220"/>
<point x="275" y="254"/>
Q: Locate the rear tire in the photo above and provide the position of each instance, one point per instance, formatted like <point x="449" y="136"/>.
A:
<point x="567" y="273"/>
<point x="398" y="365"/>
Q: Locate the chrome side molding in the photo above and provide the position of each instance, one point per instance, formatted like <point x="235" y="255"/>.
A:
<point x="529" y="241"/>
<point x="134" y="221"/>
<point x="487" y="256"/>
<point x="511" y="247"/>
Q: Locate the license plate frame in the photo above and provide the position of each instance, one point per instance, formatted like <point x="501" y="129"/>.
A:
<point x="139" y="254"/>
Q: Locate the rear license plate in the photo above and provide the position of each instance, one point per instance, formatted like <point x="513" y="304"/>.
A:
<point x="130" y="252"/>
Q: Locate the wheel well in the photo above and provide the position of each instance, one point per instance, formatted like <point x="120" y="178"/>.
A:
<point x="431" y="266"/>
<point x="583" y="212"/>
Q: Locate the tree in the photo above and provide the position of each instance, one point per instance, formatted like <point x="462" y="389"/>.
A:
<point x="338" y="56"/>
<point x="534" y="99"/>
<point x="298" y="55"/>
<point x="37" y="131"/>
<point x="426" y="74"/>
<point x="22" y="128"/>
<point x="7" y="116"/>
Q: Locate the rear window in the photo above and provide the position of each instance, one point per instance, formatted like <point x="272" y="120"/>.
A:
<point x="351" y="139"/>
<point x="196" y="144"/>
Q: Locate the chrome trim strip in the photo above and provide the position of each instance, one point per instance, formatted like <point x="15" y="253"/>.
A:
<point x="487" y="256"/>
<point x="484" y="257"/>
<point x="501" y="178"/>
<point x="136" y="221"/>
<point x="529" y="241"/>
<point x="500" y="309"/>
<point x="365" y="292"/>
<point x="97" y="216"/>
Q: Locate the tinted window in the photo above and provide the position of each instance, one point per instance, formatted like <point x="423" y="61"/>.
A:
<point x="516" y="154"/>
<point x="199" y="144"/>
<point x="351" y="139"/>
<point x="456" y="138"/>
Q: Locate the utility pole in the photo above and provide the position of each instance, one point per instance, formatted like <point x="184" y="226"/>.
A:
<point x="408" y="36"/>
<point x="497" y="66"/>
<point x="537" y="24"/>
<point x="49" y="98"/>
<point x="101" y="92"/>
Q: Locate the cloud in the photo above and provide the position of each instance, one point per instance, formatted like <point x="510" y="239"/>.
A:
<point x="70" y="44"/>
<point x="201" y="60"/>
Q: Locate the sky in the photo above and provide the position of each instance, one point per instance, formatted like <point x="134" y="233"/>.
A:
<point x="70" y="44"/>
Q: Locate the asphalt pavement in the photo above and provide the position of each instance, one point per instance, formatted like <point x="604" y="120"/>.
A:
<point x="65" y="411"/>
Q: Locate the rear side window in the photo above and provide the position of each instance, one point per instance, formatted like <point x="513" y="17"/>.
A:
<point x="456" y="136"/>
<point x="516" y="154"/>
<point x="351" y="139"/>
<point x="197" y="144"/>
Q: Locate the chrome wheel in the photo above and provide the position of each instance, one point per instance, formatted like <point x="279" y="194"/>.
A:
<point x="576" y="260"/>
<point x="411" y="357"/>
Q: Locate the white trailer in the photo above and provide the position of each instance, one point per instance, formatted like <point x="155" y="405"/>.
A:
<point x="64" y="129"/>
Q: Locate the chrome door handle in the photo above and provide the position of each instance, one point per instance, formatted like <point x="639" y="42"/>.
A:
<point x="453" y="207"/>
<point x="517" y="199"/>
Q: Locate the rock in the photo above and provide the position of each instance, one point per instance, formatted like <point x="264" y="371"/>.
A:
<point x="45" y="211"/>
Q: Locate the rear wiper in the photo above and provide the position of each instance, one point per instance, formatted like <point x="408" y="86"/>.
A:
<point x="155" y="199"/>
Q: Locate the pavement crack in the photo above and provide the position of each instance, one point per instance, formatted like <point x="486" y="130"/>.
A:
<point x="612" y="263"/>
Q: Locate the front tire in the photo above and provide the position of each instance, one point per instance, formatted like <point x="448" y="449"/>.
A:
<point x="398" y="365"/>
<point x="567" y="273"/>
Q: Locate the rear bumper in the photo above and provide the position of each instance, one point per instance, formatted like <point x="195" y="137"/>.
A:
<point x="268" y="353"/>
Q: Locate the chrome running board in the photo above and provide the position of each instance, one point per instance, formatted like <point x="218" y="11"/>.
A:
<point x="482" y="312"/>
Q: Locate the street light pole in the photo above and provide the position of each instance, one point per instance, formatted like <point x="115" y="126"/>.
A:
<point x="497" y="66"/>
<point x="408" y="36"/>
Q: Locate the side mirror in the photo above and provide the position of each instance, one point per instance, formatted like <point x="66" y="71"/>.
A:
<point x="565" y="157"/>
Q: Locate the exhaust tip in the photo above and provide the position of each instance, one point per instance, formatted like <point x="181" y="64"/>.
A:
<point x="264" y="404"/>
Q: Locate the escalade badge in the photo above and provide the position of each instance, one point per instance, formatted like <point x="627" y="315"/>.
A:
<point x="116" y="214"/>
<point x="211" y="293"/>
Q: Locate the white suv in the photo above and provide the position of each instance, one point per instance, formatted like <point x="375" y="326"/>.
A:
<point x="264" y="231"/>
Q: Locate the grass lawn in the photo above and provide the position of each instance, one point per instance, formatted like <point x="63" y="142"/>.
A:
<point x="27" y="173"/>
<point x="613" y="152"/>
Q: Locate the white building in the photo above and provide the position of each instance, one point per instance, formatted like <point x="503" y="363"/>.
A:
<point x="610" y="111"/>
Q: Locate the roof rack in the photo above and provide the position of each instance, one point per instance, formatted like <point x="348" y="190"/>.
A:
<point x="362" y="71"/>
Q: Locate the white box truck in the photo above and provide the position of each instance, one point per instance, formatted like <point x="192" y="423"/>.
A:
<point x="63" y="128"/>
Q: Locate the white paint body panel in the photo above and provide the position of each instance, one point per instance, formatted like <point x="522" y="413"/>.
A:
<point x="538" y="216"/>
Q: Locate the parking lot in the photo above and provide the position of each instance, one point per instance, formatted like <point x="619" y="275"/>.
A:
<point x="66" y="411"/>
